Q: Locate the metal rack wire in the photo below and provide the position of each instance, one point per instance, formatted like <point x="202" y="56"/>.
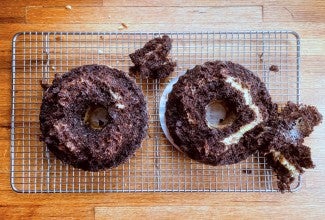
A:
<point x="157" y="166"/>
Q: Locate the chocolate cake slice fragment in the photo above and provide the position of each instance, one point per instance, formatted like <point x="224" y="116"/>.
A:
<point x="152" y="60"/>
<point x="282" y="142"/>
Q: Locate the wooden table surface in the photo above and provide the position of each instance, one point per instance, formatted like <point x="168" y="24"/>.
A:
<point x="305" y="17"/>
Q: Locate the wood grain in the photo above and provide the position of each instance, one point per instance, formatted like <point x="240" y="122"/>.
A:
<point x="199" y="212"/>
<point x="52" y="3"/>
<point x="12" y="15"/>
<point x="41" y="212"/>
<point x="180" y="3"/>
<point x="145" y="15"/>
<point x="310" y="12"/>
<point x="305" y="17"/>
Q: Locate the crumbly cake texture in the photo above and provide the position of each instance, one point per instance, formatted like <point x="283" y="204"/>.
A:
<point x="257" y="125"/>
<point x="152" y="60"/>
<point x="66" y="103"/>
<point x="282" y="142"/>
<point x="186" y="114"/>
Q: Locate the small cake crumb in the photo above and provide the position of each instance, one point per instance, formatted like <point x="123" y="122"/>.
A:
<point x="274" y="68"/>
<point x="260" y="55"/>
<point x="122" y="26"/>
<point x="44" y="84"/>
<point x="247" y="171"/>
<point x="68" y="7"/>
<point x="58" y="38"/>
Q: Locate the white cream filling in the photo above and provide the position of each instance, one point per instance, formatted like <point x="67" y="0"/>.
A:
<point x="279" y="157"/>
<point x="235" y="137"/>
<point x="120" y="106"/>
<point x="115" y="96"/>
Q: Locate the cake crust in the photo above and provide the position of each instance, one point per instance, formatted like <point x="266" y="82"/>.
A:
<point x="217" y="81"/>
<point x="66" y="130"/>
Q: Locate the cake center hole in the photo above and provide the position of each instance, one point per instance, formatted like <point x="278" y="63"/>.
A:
<point x="96" y="117"/>
<point x="218" y="114"/>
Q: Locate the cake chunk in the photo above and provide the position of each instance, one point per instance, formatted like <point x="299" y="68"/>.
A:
<point x="152" y="60"/>
<point x="283" y="140"/>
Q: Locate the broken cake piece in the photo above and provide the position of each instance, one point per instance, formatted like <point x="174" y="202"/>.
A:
<point x="152" y="60"/>
<point x="282" y="142"/>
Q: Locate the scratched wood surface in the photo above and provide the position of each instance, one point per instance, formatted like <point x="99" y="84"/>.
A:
<point x="305" y="17"/>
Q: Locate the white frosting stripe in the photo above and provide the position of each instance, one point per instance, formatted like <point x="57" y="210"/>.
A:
<point x="290" y="167"/>
<point x="235" y="137"/>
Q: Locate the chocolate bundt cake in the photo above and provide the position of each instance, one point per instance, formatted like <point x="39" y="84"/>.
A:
<point x="93" y="117"/>
<point x="151" y="61"/>
<point x="243" y="95"/>
<point x="252" y="121"/>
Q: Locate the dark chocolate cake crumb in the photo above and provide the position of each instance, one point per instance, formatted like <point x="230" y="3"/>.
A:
<point x="44" y="84"/>
<point x="93" y="117"/>
<point x="274" y="68"/>
<point x="260" y="56"/>
<point x="247" y="171"/>
<point x="151" y="61"/>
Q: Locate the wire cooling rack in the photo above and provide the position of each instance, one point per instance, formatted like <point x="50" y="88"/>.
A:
<point x="157" y="166"/>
